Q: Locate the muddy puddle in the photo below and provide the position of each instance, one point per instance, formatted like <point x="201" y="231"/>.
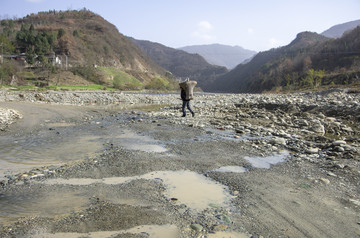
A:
<point x="27" y="153"/>
<point x="133" y="141"/>
<point x="152" y="231"/>
<point x="45" y="205"/>
<point x="231" y="169"/>
<point x="227" y="135"/>
<point x="184" y="187"/>
<point x="255" y="162"/>
<point x="266" y="162"/>
<point x="191" y="189"/>
<point x="66" y="142"/>
<point x="228" y="234"/>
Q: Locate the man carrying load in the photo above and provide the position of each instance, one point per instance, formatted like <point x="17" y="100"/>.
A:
<point x="187" y="94"/>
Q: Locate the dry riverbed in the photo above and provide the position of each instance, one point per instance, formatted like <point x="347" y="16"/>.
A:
<point x="110" y="164"/>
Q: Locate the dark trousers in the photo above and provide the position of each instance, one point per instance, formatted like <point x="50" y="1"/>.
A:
<point x="186" y="103"/>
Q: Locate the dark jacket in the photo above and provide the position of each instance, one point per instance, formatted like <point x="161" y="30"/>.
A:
<point x="183" y="95"/>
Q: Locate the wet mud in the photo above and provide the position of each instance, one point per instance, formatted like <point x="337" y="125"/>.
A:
<point x="98" y="171"/>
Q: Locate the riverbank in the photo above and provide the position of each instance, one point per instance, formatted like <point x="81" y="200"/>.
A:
<point x="232" y="141"/>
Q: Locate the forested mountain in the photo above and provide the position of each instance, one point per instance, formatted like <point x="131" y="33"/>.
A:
<point x="338" y="30"/>
<point x="308" y="62"/>
<point x="182" y="64"/>
<point x="83" y="39"/>
<point x="223" y="55"/>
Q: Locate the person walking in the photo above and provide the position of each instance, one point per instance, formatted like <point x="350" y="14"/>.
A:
<point x="185" y="103"/>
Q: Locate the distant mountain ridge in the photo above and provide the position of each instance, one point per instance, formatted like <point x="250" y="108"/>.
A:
<point x="338" y="30"/>
<point x="180" y="63"/>
<point x="223" y="55"/>
<point x="308" y="62"/>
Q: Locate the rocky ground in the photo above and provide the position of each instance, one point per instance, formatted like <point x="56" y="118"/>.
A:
<point x="315" y="193"/>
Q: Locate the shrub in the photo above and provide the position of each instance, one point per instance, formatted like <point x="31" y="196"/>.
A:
<point x="88" y="72"/>
<point x="76" y="33"/>
<point x="158" y="84"/>
<point x="61" y="32"/>
<point x="126" y="82"/>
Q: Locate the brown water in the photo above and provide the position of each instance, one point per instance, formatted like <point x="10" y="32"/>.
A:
<point x="192" y="189"/>
<point x="25" y="154"/>
<point x="66" y="143"/>
<point x="228" y="234"/>
<point x="45" y="205"/>
<point x="133" y="141"/>
<point x="154" y="231"/>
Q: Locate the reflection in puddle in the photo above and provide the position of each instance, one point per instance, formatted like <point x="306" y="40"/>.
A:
<point x="224" y="234"/>
<point x="256" y="162"/>
<point x="165" y="231"/>
<point x="60" y="124"/>
<point x="13" y="207"/>
<point x="231" y="169"/>
<point x="132" y="141"/>
<point x="27" y="154"/>
<point x="265" y="162"/>
<point x="152" y="231"/>
<point x="72" y="143"/>
<point x="194" y="190"/>
<point x="228" y="135"/>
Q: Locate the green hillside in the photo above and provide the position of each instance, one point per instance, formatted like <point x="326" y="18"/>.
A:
<point x="50" y="44"/>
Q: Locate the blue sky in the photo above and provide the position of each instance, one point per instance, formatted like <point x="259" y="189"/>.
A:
<point x="253" y="24"/>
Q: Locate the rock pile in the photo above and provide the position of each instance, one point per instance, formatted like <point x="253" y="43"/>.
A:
<point x="314" y="126"/>
<point x="8" y="116"/>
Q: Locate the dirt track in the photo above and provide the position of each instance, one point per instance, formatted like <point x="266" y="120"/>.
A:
<point x="119" y="186"/>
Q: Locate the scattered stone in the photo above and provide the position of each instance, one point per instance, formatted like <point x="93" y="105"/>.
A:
<point x="196" y="227"/>
<point x="324" y="180"/>
<point x="354" y="201"/>
<point x="339" y="149"/>
<point x="265" y="118"/>
<point x="331" y="174"/>
<point x="220" y="227"/>
<point x="339" y="143"/>
<point x="339" y="166"/>
<point x="278" y="141"/>
<point x="312" y="150"/>
<point x="318" y="128"/>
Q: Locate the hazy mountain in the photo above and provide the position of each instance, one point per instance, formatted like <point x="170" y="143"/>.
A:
<point x="223" y="55"/>
<point x="182" y="64"/>
<point x="309" y="61"/>
<point x="338" y="30"/>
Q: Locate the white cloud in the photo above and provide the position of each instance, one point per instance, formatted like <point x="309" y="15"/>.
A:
<point x="250" y="31"/>
<point x="204" y="31"/>
<point x="273" y="43"/>
<point x="204" y="26"/>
